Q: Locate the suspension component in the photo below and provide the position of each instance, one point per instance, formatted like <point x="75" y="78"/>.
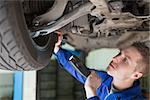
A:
<point x="64" y="20"/>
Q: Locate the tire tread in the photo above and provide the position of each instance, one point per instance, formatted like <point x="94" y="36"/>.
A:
<point x="8" y="45"/>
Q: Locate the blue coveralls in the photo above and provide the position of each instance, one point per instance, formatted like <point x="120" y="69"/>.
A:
<point x="103" y="92"/>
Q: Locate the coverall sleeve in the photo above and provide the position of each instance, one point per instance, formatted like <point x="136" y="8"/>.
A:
<point x="63" y="58"/>
<point x="94" y="98"/>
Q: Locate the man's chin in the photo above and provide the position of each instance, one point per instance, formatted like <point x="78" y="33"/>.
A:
<point x="108" y="68"/>
<point x="109" y="72"/>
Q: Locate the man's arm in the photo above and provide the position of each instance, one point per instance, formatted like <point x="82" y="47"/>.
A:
<point x="63" y="58"/>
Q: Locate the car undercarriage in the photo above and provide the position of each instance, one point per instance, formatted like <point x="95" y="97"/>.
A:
<point x="98" y="23"/>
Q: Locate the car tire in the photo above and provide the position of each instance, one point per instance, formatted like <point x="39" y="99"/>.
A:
<point x="18" y="51"/>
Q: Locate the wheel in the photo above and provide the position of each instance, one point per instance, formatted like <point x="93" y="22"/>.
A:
<point x="18" y="51"/>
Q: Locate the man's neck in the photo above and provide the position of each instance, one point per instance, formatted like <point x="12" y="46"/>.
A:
<point x="122" y="85"/>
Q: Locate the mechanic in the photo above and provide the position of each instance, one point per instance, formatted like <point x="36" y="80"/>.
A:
<point x="121" y="79"/>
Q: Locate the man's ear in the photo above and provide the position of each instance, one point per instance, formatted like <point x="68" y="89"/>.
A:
<point x="136" y="75"/>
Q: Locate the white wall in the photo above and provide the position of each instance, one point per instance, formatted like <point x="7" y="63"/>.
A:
<point x="29" y="85"/>
<point x="99" y="59"/>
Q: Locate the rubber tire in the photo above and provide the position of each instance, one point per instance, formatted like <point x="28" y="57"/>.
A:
<point x="17" y="50"/>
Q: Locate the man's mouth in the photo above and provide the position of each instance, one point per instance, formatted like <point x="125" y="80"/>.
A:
<point x="112" y="65"/>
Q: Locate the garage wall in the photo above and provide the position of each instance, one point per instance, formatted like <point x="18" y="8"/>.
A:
<point x="29" y="85"/>
<point x="54" y="83"/>
<point x="6" y="86"/>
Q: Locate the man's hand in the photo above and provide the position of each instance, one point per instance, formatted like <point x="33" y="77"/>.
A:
<point x="57" y="45"/>
<point x="92" y="82"/>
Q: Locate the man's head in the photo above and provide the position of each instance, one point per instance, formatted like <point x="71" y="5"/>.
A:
<point x="131" y="63"/>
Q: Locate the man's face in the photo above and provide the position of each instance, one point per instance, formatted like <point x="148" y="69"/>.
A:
<point x="124" y="64"/>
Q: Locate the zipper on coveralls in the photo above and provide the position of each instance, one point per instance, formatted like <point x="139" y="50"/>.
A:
<point x="109" y="93"/>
